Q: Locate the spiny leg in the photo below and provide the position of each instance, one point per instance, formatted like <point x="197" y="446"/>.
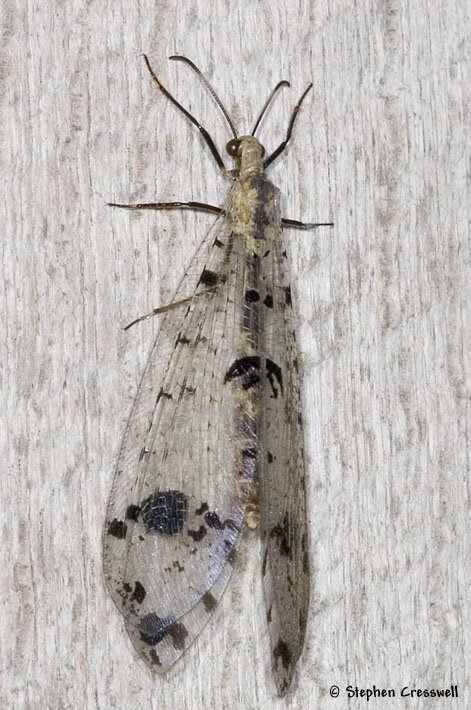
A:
<point x="204" y="207"/>
<point x="157" y="311"/>
<point x="169" y="307"/>
<point x="197" y="206"/>
<point x="296" y="224"/>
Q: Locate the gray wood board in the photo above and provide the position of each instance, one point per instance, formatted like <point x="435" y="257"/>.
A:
<point x="384" y="297"/>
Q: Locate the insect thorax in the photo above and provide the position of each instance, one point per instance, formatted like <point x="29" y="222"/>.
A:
<point x="250" y="154"/>
<point x="254" y="210"/>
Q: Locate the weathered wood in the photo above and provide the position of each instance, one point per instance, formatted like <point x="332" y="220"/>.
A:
<point x="384" y="297"/>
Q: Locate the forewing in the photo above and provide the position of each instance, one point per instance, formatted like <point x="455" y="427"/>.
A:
<point x="282" y="468"/>
<point x="174" y="515"/>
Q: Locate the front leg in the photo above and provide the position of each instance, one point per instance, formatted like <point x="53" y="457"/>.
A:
<point x="296" y="224"/>
<point x="197" y="206"/>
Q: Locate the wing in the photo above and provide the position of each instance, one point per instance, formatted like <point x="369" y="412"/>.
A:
<point x="174" y="513"/>
<point x="285" y="566"/>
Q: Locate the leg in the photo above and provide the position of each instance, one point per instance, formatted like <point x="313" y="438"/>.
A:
<point x="156" y="311"/>
<point x="296" y="224"/>
<point x="197" y="206"/>
<point x="169" y="307"/>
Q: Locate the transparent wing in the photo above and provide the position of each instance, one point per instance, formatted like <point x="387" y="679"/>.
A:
<point x="174" y="514"/>
<point x="285" y="567"/>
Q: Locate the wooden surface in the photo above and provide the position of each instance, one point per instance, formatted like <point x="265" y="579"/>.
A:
<point x="384" y="301"/>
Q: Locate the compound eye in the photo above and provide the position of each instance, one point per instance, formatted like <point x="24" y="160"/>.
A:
<point x="233" y="147"/>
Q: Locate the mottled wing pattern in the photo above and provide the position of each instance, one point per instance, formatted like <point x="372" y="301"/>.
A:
<point x="174" y="514"/>
<point x="285" y="566"/>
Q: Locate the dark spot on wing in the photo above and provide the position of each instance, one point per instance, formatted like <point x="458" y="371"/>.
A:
<point x="209" y="602"/>
<point x="281" y="651"/>
<point x="264" y="563"/>
<point x="218" y="243"/>
<point x="118" y="529"/>
<point x="132" y="512"/>
<point x="208" y="278"/>
<point x="249" y="453"/>
<point x="251" y="381"/>
<point x="154" y="657"/>
<point x="242" y="366"/>
<point x="161" y="394"/>
<point x="198" y="535"/>
<point x="127" y="588"/>
<point x="252" y="296"/>
<point x="269" y="615"/>
<point x="182" y="340"/>
<point x="283" y="534"/>
<point x="246" y="367"/>
<point x="139" y="593"/>
<point x="268" y="301"/>
<point x="288" y="299"/>
<point x="269" y="457"/>
<point x="213" y="521"/>
<point x="178" y="633"/>
<point x="176" y="566"/>
<point x="153" y="630"/>
<point x="165" y="512"/>
<point x="295" y="364"/>
<point x="274" y="375"/>
<point x="202" y="509"/>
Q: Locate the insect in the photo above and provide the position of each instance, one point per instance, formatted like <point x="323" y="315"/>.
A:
<point x="214" y="444"/>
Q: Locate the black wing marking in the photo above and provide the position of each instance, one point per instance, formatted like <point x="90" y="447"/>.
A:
<point x="285" y="567"/>
<point x="174" y="512"/>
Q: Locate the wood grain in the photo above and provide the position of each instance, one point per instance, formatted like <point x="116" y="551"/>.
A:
<point x="384" y="298"/>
